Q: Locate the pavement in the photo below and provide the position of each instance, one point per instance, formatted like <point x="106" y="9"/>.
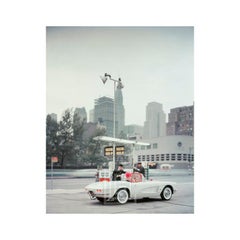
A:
<point x="69" y="196"/>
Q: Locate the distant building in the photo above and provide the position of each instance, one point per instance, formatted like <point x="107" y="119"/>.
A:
<point x="176" y="151"/>
<point x="181" y="121"/>
<point x="90" y="129"/>
<point x="81" y="112"/>
<point x="103" y="114"/>
<point x="155" y="124"/>
<point x="104" y="110"/>
<point x="53" y="116"/>
<point x="134" y="130"/>
<point x="91" y="115"/>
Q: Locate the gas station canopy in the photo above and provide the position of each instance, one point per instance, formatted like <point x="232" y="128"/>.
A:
<point x="118" y="140"/>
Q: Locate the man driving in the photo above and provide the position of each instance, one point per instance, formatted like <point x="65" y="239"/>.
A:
<point x="116" y="176"/>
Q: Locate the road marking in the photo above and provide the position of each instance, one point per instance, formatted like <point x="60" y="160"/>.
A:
<point x="179" y="204"/>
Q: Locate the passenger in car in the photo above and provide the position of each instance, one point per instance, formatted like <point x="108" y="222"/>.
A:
<point x="116" y="176"/>
<point x="139" y="169"/>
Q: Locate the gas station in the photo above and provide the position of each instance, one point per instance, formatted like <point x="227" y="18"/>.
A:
<point x="112" y="143"/>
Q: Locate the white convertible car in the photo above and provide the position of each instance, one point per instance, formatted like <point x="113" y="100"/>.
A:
<point x="131" y="186"/>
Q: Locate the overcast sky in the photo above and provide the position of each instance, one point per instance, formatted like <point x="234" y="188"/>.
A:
<point x="154" y="63"/>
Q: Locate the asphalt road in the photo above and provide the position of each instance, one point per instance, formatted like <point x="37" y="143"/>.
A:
<point x="69" y="196"/>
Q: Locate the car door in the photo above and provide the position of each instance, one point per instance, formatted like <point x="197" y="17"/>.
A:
<point x="145" y="189"/>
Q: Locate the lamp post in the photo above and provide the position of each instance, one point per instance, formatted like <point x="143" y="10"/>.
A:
<point x="119" y="86"/>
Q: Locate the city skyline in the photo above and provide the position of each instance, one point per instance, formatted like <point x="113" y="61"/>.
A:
<point x="89" y="113"/>
<point x="154" y="63"/>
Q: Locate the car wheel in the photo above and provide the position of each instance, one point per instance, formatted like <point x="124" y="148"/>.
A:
<point x="166" y="193"/>
<point x="122" y="196"/>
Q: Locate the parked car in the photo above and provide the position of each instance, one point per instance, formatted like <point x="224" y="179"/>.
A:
<point x="131" y="186"/>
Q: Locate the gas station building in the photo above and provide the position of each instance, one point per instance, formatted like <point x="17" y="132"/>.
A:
<point x="175" y="150"/>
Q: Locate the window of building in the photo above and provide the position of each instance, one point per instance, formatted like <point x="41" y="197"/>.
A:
<point x="139" y="158"/>
<point x="179" y="157"/>
<point x="137" y="148"/>
<point x="152" y="157"/>
<point x="148" y="158"/>
<point x="143" y="157"/>
<point x="192" y="157"/>
<point x="157" y="157"/>
<point x="155" y="145"/>
<point x="162" y="157"/>
<point x="189" y="157"/>
<point x="184" y="157"/>
<point x="167" y="157"/>
<point x="142" y="147"/>
<point x="149" y="147"/>
<point x="173" y="157"/>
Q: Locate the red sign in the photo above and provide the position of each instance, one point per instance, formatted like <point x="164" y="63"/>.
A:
<point x="54" y="159"/>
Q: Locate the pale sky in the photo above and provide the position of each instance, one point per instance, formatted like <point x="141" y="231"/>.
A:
<point x="154" y="63"/>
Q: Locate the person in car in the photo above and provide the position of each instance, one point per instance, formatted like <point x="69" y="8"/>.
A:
<point x="116" y="176"/>
<point x="139" y="168"/>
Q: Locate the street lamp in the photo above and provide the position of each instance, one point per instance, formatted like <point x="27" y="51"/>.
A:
<point x="119" y="86"/>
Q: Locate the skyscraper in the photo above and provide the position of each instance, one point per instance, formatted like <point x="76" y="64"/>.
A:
<point x="103" y="113"/>
<point x="181" y="121"/>
<point x="155" y="124"/>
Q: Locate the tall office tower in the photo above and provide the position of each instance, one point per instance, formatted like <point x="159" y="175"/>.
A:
<point x="181" y="121"/>
<point x="155" y="124"/>
<point x="103" y="114"/>
<point x="120" y="111"/>
<point x="81" y="112"/>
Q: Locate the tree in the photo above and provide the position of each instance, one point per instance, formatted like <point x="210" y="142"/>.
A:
<point x="65" y="138"/>
<point x="51" y="138"/>
<point x="71" y="140"/>
<point x="93" y="149"/>
<point x="78" y="130"/>
<point x="78" y="127"/>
